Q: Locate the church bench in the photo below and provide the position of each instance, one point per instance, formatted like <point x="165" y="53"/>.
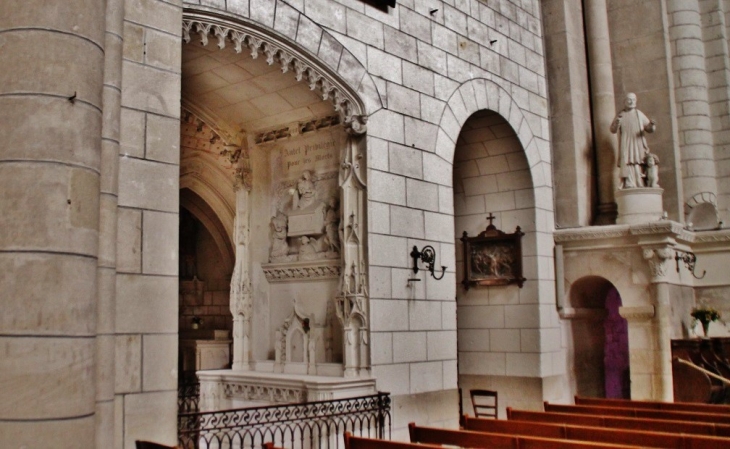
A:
<point x="352" y="442"/>
<point x="655" y="405"/>
<point x="620" y="422"/>
<point x="640" y="413"/>
<point x="470" y="439"/>
<point x="597" y="434"/>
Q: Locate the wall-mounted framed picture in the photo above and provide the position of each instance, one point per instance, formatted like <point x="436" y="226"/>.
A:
<point x="492" y="258"/>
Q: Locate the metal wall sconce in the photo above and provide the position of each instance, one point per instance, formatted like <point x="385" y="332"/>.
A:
<point x="689" y="259"/>
<point x="428" y="257"/>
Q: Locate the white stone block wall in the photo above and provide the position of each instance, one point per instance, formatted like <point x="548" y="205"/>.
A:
<point x="147" y="257"/>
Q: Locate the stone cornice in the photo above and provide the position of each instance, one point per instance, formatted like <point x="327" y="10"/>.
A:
<point x="675" y="231"/>
<point x="259" y="42"/>
<point x="657" y="228"/>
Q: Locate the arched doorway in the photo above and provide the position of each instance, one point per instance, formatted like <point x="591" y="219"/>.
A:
<point x="600" y="343"/>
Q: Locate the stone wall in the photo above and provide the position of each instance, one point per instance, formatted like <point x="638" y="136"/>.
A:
<point x="147" y="260"/>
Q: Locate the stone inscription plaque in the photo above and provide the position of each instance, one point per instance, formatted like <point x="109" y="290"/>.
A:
<point x="318" y="153"/>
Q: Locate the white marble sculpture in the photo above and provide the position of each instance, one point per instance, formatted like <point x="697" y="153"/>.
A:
<point x="307" y="228"/>
<point x="631" y="125"/>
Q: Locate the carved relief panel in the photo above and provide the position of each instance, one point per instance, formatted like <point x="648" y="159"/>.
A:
<point x="306" y="197"/>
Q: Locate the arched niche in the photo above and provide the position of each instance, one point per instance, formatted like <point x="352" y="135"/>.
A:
<point x="599" y="342"/>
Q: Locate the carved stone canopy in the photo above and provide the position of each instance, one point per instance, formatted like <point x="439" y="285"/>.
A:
<point x="304" y="68"/>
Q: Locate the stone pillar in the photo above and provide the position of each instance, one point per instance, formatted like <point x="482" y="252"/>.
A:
<point x="603" y="108"/>
<point x="241" y="293"/>
<point x="693" y="112"/>
<point x="662" y="383"/>
<point x="50" y="129"/>
<point x="352" y="298"/>
<point x="570" y="124"/>
<point x="106" y="271"/>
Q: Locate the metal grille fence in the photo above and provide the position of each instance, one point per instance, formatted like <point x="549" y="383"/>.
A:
<point x="298" y="426"/>
<point x="188" y="397"/>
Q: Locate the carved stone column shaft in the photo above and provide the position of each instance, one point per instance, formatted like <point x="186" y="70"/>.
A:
<point x="352" y="300"/>
<point x="663" y="383"/>
<point x="241" y="300"/>
<point x="601" y="75"/>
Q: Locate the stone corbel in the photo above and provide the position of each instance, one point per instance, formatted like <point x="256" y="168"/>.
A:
<point x="356" y="124"/>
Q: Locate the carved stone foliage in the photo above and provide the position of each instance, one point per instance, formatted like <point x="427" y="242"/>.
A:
<point x="259" y="44"/>
<point x="657" y="258"/>
<point x="297" y="129"/>
<point x="299" y="271"/>
<point x="198" y="135"/>
<point x="264" y="393"/>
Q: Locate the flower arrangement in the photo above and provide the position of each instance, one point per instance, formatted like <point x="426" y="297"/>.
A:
<point x="197" y="321"/>
<point x="705" y="315"/>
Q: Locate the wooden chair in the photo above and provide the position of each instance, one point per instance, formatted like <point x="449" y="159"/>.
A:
<point x="150" y="445"/>
<point x="485" y="403"/>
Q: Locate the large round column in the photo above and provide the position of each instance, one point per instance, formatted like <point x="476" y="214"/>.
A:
<point x="603" y="107"/>
<point x="52" y="54"/>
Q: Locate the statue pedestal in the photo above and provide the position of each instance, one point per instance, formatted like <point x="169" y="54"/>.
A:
<point x="639" y="205"/>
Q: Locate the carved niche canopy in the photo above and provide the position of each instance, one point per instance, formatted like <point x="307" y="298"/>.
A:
<point x="492" y="257"/>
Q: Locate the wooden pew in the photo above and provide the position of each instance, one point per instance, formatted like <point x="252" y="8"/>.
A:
<point x="466" y="438"/>
<point x="620" y="422"/>
<point x="655" y="405"/>
<point x="597" y="434"/>
<point x="639" y="413"/>
<point x="352" y="442"/>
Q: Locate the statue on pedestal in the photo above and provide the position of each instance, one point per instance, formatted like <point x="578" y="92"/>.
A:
<point x="631" y="124"/>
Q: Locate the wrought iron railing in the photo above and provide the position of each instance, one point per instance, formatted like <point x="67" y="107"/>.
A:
<point x="305" y="425"/>
<point x="188" y="397"/>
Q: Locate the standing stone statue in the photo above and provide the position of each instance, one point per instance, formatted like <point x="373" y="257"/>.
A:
<point x="631" y="124"/>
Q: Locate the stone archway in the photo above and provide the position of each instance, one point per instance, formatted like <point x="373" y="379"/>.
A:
<point x="518" y="314"/>
<point x="262" y="100"/>
<point x="599" y="343"/>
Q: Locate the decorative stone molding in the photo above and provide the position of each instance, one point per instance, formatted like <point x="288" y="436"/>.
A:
<point x="638" y="313"/>
<point x="296" y="129"/>
<point x="265" y="393"/>
<point x="592" y="233"/>
<point x="658" y="227"/>
<point x="259" y="43"/>
<point x="712" y="237"/>
<point x="299" y="271"/>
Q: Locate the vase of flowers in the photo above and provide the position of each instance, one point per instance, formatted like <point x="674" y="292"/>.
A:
<point x="197" y="322"/>
<point x="705" y="315"/>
